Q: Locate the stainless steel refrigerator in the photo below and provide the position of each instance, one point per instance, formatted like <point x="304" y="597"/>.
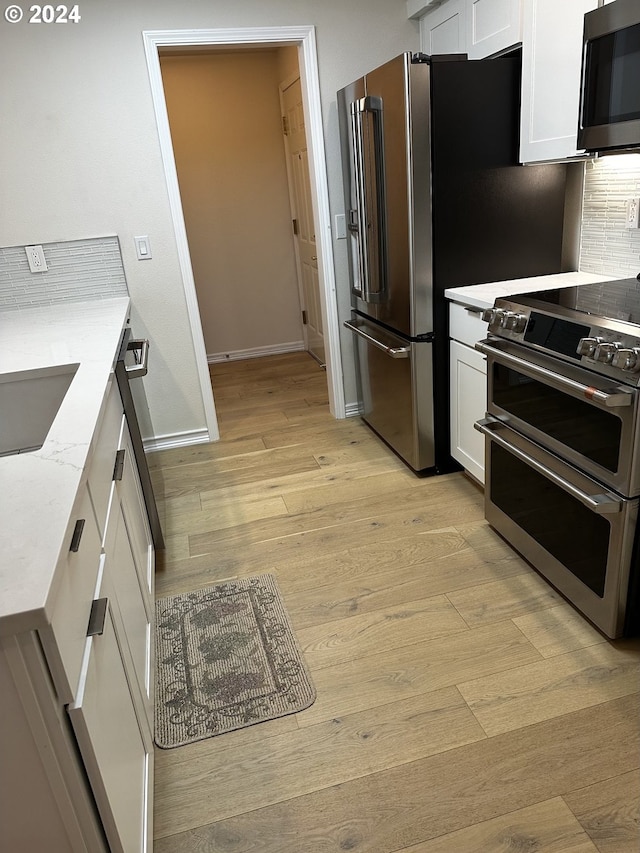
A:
<point x="434" y="199"/>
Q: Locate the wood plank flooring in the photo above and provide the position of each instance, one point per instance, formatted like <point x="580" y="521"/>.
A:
<point x="463" y="706"/>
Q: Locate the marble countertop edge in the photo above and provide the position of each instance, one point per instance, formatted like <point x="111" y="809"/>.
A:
<point x="39" y="489"/>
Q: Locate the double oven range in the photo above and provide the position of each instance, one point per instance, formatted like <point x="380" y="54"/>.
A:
<point x="563" y="443"/>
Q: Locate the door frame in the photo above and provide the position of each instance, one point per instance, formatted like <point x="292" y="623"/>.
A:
<point x="304" y="38"/>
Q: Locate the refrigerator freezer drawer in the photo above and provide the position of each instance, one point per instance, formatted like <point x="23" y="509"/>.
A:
<point x="396" y="391"/>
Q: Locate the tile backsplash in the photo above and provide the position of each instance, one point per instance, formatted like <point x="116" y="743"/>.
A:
<point x="77" y="270"/>
<point x="608" y="247"/>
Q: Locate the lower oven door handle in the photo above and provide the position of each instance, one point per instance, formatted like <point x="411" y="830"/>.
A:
<point x="393" y="352"/>
<point x="556" y="380"/>
<point x="600" y="504"/>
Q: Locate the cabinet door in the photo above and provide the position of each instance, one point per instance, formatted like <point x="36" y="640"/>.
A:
<point x="468" y="405"/>
<point x="115" y="753"/>
<point x="443" y="29"/>
<point x="551" y="68"/>
<point x="492" y="26"/>
<point x="64" y="641"/>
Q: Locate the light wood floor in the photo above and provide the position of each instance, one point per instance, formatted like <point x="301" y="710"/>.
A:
<point x="463" y="706"/>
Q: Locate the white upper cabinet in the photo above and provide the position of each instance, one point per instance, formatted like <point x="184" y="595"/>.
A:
<point x="551" y="63"/>
<point x="443" y="29"/>
<point x="492" y="26"/>
<point x="478" y="28"/>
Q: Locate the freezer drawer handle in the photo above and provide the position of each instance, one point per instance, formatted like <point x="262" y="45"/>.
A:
<point x="599" y="504"/>
<point x="142" y="361"/>
<point x="392" y="352"/>
<point x="616" y="400"/>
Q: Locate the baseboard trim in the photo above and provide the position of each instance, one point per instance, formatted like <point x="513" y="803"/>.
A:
<point x="176" y="439"/>
<point x="255" y="352"/>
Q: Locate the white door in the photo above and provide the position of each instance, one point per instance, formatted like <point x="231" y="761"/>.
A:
<point x="302" y="211"/>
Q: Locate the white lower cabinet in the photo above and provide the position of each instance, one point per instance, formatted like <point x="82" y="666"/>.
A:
<point x="76" y="695"/>
<point x="468" y="388"/>
<point x="468" y="405"/>
<point x="116" y="749"/>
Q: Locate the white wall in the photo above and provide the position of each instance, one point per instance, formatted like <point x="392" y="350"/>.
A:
<point x="79" y="151"/>
<point x="224" y="113"/>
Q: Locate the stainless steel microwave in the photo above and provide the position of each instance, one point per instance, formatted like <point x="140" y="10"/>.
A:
<point x="610" y="88"/>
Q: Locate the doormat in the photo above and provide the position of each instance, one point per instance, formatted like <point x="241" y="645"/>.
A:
<point x="226" y="658"/>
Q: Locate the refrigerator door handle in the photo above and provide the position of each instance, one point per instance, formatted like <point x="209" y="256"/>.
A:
<point x="369" y="168"/>
<point x="392" y="352"/>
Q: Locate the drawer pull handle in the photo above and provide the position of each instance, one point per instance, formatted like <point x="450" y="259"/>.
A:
<point x="118" y="468"/>
<point x="77" y="535"/>
<point x="97" y="617"/>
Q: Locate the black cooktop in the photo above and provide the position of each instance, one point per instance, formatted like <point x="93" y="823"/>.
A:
<point x="611" y="300"/>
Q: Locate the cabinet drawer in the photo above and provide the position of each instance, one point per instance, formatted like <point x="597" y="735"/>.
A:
<point x="70" y="617"/>
<point x="100" y="476"/>
<point x="466" y="324"/>
<point x="117" y="756"/>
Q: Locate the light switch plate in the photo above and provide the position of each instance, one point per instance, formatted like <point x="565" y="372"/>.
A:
<point x="143" y="248"/>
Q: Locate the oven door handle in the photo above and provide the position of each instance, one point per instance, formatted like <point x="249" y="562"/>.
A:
<point x="600" y="504"/>
<point x="615" y="400"/>
<point x="141" y="367"/>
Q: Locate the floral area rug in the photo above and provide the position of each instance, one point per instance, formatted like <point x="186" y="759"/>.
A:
<point x="226" y="657"/>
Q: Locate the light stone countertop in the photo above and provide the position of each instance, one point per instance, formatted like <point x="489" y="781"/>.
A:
<point x="484" y="295"/>
<point x="38" y="489"/>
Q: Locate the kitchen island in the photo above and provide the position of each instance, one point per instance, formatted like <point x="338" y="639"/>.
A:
<point x="76" y="597"/>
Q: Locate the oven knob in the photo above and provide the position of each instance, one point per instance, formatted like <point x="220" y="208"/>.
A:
<point x="606" y="351"/>
<point x="510" y="320"/>
<point x="587" y="346"/>
<point x="492" y="316"/>
<point x="627" y="359"/>
<point x="514" y="322"/>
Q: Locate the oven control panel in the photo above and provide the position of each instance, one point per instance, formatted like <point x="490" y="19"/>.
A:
<point x="610" y="349"/>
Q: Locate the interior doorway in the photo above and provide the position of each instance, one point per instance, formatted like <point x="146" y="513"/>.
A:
<point x="306" y="252"/>
<point x="304" y="39"/>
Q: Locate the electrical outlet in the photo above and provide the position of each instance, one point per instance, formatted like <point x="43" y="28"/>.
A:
<point x="35" y="256"/>
<point x="631" y="219"/>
